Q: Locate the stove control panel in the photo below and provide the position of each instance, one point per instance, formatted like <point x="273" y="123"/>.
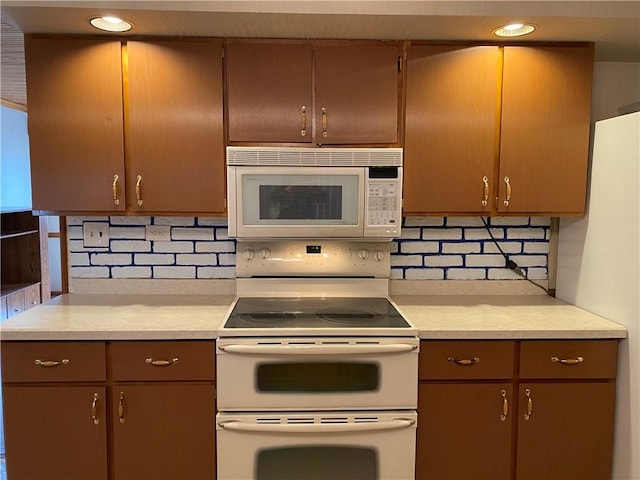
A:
<point x="313" y="258"/>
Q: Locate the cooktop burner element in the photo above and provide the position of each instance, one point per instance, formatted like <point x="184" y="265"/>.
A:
<point x="309" y="312"/>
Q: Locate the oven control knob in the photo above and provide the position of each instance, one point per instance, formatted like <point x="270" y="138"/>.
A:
<point x="363" y="254"/>
<point x="265" y="253"/>
<point x="378" y="255"/>
<point x="248" y="254"/>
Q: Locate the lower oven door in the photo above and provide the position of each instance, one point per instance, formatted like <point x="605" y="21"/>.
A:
<point x="316" y="445"/>
<point x="317" y="373"/>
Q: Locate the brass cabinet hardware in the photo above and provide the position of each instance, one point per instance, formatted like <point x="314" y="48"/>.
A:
<point x="324" y="122"/>
<point x="121" y="408"/>
<point x="529" y="412"/>
<point x="303" y="132"/>
<point x="485" y="194"/>
<point x="139" y="190"/>
<point x="568" y="361"/>
<point x="114" y="187"/>
<point x="94" y="409"/>
<point x="52" y="363"/>
<point x="505" y="406"/>
<point x="464" y="362"/>
<point x="508" y="192"/>
<point x="161" y="363"/>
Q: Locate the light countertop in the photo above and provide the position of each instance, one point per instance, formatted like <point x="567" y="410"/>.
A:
<point x="162" y="317"/>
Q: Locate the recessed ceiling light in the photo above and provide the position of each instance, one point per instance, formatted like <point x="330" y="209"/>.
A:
<point x="111" y="24"/>
<point x="514" y="30"/>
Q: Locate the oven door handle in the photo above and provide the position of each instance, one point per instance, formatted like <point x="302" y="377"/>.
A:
<point x="240" y="426"/>
<point x="315" y="349"/>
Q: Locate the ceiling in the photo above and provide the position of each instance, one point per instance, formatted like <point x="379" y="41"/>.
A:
<point x="614" y="26"/>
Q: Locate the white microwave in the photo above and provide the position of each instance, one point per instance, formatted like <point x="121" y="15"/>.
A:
<point x="314" y="192"/>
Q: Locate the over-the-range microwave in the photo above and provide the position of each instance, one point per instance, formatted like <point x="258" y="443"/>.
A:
<point x="278" y="192"/>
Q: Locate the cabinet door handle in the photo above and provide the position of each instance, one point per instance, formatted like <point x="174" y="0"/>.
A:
<point x="505" y="406"/>
<point x="139" y="190"/>
<point x="324" y="122"/>
<point x="121" y="408"/>
<point x="485" y="191"/>
<point x="94" y="409"/>
<point x="52" y="363"/>
<point x="507" y="197"/>
<point x="464" y="361"/>
<point x="303" y="132"/>
<point x="568" y="361"/>
<point x="114" y="188"/>
<point x="529" y="411"/>
<point x="161" y="363"/>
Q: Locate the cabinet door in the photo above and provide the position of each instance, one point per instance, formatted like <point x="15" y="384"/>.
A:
<point x="451" y="109"/>
<point x="544" y="141"/>
<point x="269" y="92"/>
<point x="461" y="434"/>
<point x="75" y="123"/>
<point x="175" y="140"/>
<point x="55" y="433"/>
<point x="356" y="94"/>
<point x="568" y="434"/>
<point x="163" y="432"/>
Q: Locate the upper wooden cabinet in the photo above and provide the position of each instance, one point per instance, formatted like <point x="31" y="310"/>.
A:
<point x="333" y="93"/>
<point x="484" y="123"/>
<point x="75" y="123"/>
<point x="134" y="126"/>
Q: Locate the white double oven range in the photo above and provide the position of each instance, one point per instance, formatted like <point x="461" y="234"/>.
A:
<point x="316" y="367"/>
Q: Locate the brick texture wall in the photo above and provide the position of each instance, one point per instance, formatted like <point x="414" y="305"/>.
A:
<point x="432" y="248"/>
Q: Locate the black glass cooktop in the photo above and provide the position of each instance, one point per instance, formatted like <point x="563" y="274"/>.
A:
<point x="333" y="312"/>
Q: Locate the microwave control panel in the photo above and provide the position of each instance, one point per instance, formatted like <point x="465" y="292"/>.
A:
<point x="383" y="205"/>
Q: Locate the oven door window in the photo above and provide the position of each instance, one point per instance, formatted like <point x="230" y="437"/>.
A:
<point x="294" y="199"/>
<point x="317" y="463"/>
<point x="329" y="377"/>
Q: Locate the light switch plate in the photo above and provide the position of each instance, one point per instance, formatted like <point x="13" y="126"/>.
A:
<point x="95" y="234"/>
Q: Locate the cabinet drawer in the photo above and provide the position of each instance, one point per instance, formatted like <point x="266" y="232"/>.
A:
<point x="461" y="360"/>
<point x="569" y="359"/>
<point x="15" y="303"/>
<point x="31" y="296"/>
<point x="53" y="362"/>
<point x="158" y="361"/>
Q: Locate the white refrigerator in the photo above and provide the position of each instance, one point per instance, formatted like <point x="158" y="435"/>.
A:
<point x="599" y="268"/>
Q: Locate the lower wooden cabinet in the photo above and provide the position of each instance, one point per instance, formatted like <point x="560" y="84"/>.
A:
<point x="69" y="405"/>
<point x="529" y="410"/>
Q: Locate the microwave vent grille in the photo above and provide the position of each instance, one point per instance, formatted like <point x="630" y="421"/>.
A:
<point x="315" y="157"/>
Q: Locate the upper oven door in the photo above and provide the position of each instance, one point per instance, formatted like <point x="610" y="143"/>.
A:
<point x="317" y="373"/>
<point x="296" y="202"/>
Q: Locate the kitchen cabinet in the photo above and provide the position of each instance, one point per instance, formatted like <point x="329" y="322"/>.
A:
<point x="511" y="138"/>
<point x="316" y="93"/>
<point x="480" y="417"/>
<point x="151" y="416"/>
<point x="94" y="103"/>
<point x="54" y="410"/>
<point x="24" y="272"/>
<point x="465" y="410"/>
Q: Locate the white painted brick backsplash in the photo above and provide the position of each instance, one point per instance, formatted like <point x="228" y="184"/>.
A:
<point x="431" y="248"/>
<point x="174" y="272"/>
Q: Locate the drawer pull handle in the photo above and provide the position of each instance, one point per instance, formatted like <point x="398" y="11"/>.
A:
<point x="121" y="408"/>
<point x="505" y="406"/>
<point x="161" y="363"/>
<point x="568" y="361"/>
<point x="463" y="361"/>
<point x="52" y="363"/>
<point x="529" y="412"/>
<point x="94" y="409"/>
<point x="303" y="131"/>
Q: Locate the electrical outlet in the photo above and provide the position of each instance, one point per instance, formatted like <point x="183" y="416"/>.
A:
<point x="158" y="233"/>
<point x="95" y="234"/>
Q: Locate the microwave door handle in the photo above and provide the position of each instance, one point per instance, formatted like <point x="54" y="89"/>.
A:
<point x="313" y="349"/>
<point x="295" y="428"/>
